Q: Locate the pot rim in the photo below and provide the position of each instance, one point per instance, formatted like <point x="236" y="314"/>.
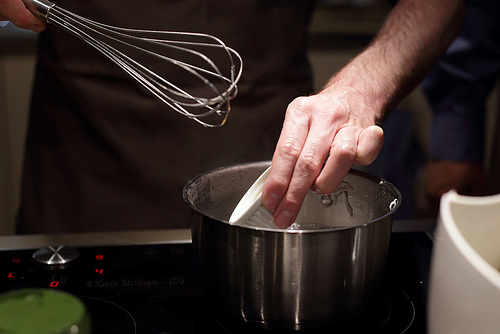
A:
<point x="370" y="177"/>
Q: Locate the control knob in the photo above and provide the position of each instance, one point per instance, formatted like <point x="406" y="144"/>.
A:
<point x="56" y="257"/>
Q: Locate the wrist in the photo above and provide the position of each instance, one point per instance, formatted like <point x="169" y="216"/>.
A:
<point x="361" y="89"/>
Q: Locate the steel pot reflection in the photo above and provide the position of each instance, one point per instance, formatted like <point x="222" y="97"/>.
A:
<point x="292" y="279"/>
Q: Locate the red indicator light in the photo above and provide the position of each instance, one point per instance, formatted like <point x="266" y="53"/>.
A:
<point x="54" y="284"/>
<point x="11" y="275"/>
<point x="99" y="271"/>
<point x="16" y="260"/>
<point x="99" y="257"/>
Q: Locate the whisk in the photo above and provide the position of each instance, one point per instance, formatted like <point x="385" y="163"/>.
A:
<point x="207" y="87"/>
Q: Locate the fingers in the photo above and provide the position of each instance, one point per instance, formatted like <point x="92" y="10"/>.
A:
<point x="301" y="151"/>
<point x="350" y="146"/>
<point x="299" y="157"/>
<point x="370" y="143"/>
<point x="342" y="155"/>
<point x="292" y="139"/>
<point x="304" y="173"/>
<point x="16" y="12"/>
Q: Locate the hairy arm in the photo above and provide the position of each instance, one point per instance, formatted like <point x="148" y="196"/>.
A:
<point x="338" y="125"/>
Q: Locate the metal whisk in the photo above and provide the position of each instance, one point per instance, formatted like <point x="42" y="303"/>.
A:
<point x="205" y="88"/>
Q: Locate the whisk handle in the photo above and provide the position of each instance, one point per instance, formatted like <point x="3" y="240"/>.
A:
<point x="39" y="8"/>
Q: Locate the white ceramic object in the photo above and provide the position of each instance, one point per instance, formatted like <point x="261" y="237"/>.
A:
<point x="249" y="211"/>
<point x="464" y="294"/>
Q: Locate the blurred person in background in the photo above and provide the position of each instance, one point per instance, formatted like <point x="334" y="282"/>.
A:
<point x="424" y="157"/>
<point x="102" y="154"/>
<point x="457" y="90"/>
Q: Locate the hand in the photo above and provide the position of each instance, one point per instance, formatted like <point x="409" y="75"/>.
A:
<point x="339" y="123"/>
<point x="16" y="12"/>
<point x="317" y="128"/>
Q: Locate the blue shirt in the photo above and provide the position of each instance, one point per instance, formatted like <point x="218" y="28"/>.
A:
<point x="458" y="87"/>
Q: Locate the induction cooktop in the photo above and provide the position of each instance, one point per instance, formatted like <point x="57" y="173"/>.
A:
<point x="153" y="287"/>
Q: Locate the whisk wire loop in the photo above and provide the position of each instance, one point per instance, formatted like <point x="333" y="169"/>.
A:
<point x="212" y="87"/>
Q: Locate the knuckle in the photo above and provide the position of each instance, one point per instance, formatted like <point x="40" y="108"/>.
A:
<point x="344" y="151"/>
<point x="293" y="202"/>
<point x="348" y="150"/>
<point x="290" y="148"/>
<point x="308" y="164"/>
<point x="279" y="183"/>
<point x="23" y="21"/>
<point x="300" y="102"/>
<point x="300" y="109"/>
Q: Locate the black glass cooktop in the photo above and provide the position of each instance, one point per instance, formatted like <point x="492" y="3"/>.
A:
<point x="150" y="289"/>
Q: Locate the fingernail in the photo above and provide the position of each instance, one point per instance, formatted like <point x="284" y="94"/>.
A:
<point x="284" y="219"/>
<point x="271" y="201"/>
<point x="315" y="190"/>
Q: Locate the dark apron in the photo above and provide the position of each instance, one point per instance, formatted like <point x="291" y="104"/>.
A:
<point x="103" y="154"/>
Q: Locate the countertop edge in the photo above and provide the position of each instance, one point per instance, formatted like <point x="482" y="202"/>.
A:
<point x="33" y="241"/>
<point x="141" y="237"/>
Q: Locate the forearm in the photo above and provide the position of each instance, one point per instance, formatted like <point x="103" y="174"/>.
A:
<point x="413" y="37"/>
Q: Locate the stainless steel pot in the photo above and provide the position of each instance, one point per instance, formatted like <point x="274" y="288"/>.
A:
<point x="294" y="278"/>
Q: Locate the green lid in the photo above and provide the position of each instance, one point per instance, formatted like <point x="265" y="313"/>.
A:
<point x="42" y="311"/>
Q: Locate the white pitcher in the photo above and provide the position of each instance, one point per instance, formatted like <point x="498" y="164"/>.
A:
<point x="464" y="295"/>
